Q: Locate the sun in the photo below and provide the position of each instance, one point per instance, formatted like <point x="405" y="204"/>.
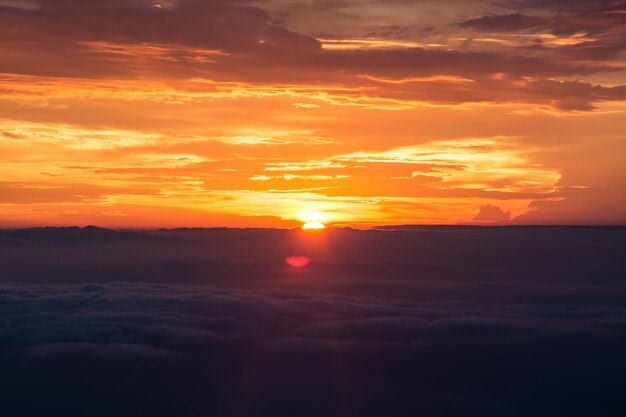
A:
<point x="313" y="226"/>
<point x="312" y="220"/>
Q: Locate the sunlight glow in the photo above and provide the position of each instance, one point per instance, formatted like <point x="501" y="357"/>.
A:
<point x="313" y="226"/>
<point x="313" y="216"/>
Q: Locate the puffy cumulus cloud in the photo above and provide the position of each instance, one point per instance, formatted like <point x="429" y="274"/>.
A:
<point x="193" y="350"/>
<point x="492" y="214"/>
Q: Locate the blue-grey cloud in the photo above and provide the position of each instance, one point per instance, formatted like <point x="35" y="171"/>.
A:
<point x="381" y="323"/>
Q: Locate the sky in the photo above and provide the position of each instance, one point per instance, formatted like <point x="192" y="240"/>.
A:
<point x="133" y="113"/>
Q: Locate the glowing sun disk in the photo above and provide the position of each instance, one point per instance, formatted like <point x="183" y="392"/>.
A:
<point x="313" y="226"/>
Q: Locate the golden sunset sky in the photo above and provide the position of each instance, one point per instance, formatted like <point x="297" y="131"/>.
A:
<point x="132" y="113"/>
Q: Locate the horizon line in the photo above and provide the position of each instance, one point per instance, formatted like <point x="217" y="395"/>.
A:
<point x="379" y="227"/>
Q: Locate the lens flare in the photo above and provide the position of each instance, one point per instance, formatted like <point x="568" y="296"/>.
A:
<point x="297" y="261"/>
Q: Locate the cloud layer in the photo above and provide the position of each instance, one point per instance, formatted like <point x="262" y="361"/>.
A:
<point x="185" y="105"/>
<point x="435" y="321"/>
<point x="195" y="350"/>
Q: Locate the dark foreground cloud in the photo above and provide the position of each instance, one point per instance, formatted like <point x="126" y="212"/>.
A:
<point x="152" y="349"/>
<point x="476" y="264"/>
<point x="404" y="321"/>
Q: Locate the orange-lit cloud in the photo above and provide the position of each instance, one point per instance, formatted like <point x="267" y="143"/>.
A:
<point x="218" y="112"/>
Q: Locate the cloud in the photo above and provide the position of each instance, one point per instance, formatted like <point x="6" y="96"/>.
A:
<point x="346" y="261"/>
<point x="492" y="214"/>
<point x="213" y="24"/>
<point x="508" y="22"/>
<point x="35" y="193"/>
<point x="241" y="42"/>
<point x="482" y="165"/>
<point x="590" y="31"/>
<point x="183" y="104"/>
<point x="573" y="205"/>
<point x="144" y="321"/>
<point x="285" y="350"/>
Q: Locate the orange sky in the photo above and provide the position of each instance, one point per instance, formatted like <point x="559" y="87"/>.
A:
<point x="131" y="113"/>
